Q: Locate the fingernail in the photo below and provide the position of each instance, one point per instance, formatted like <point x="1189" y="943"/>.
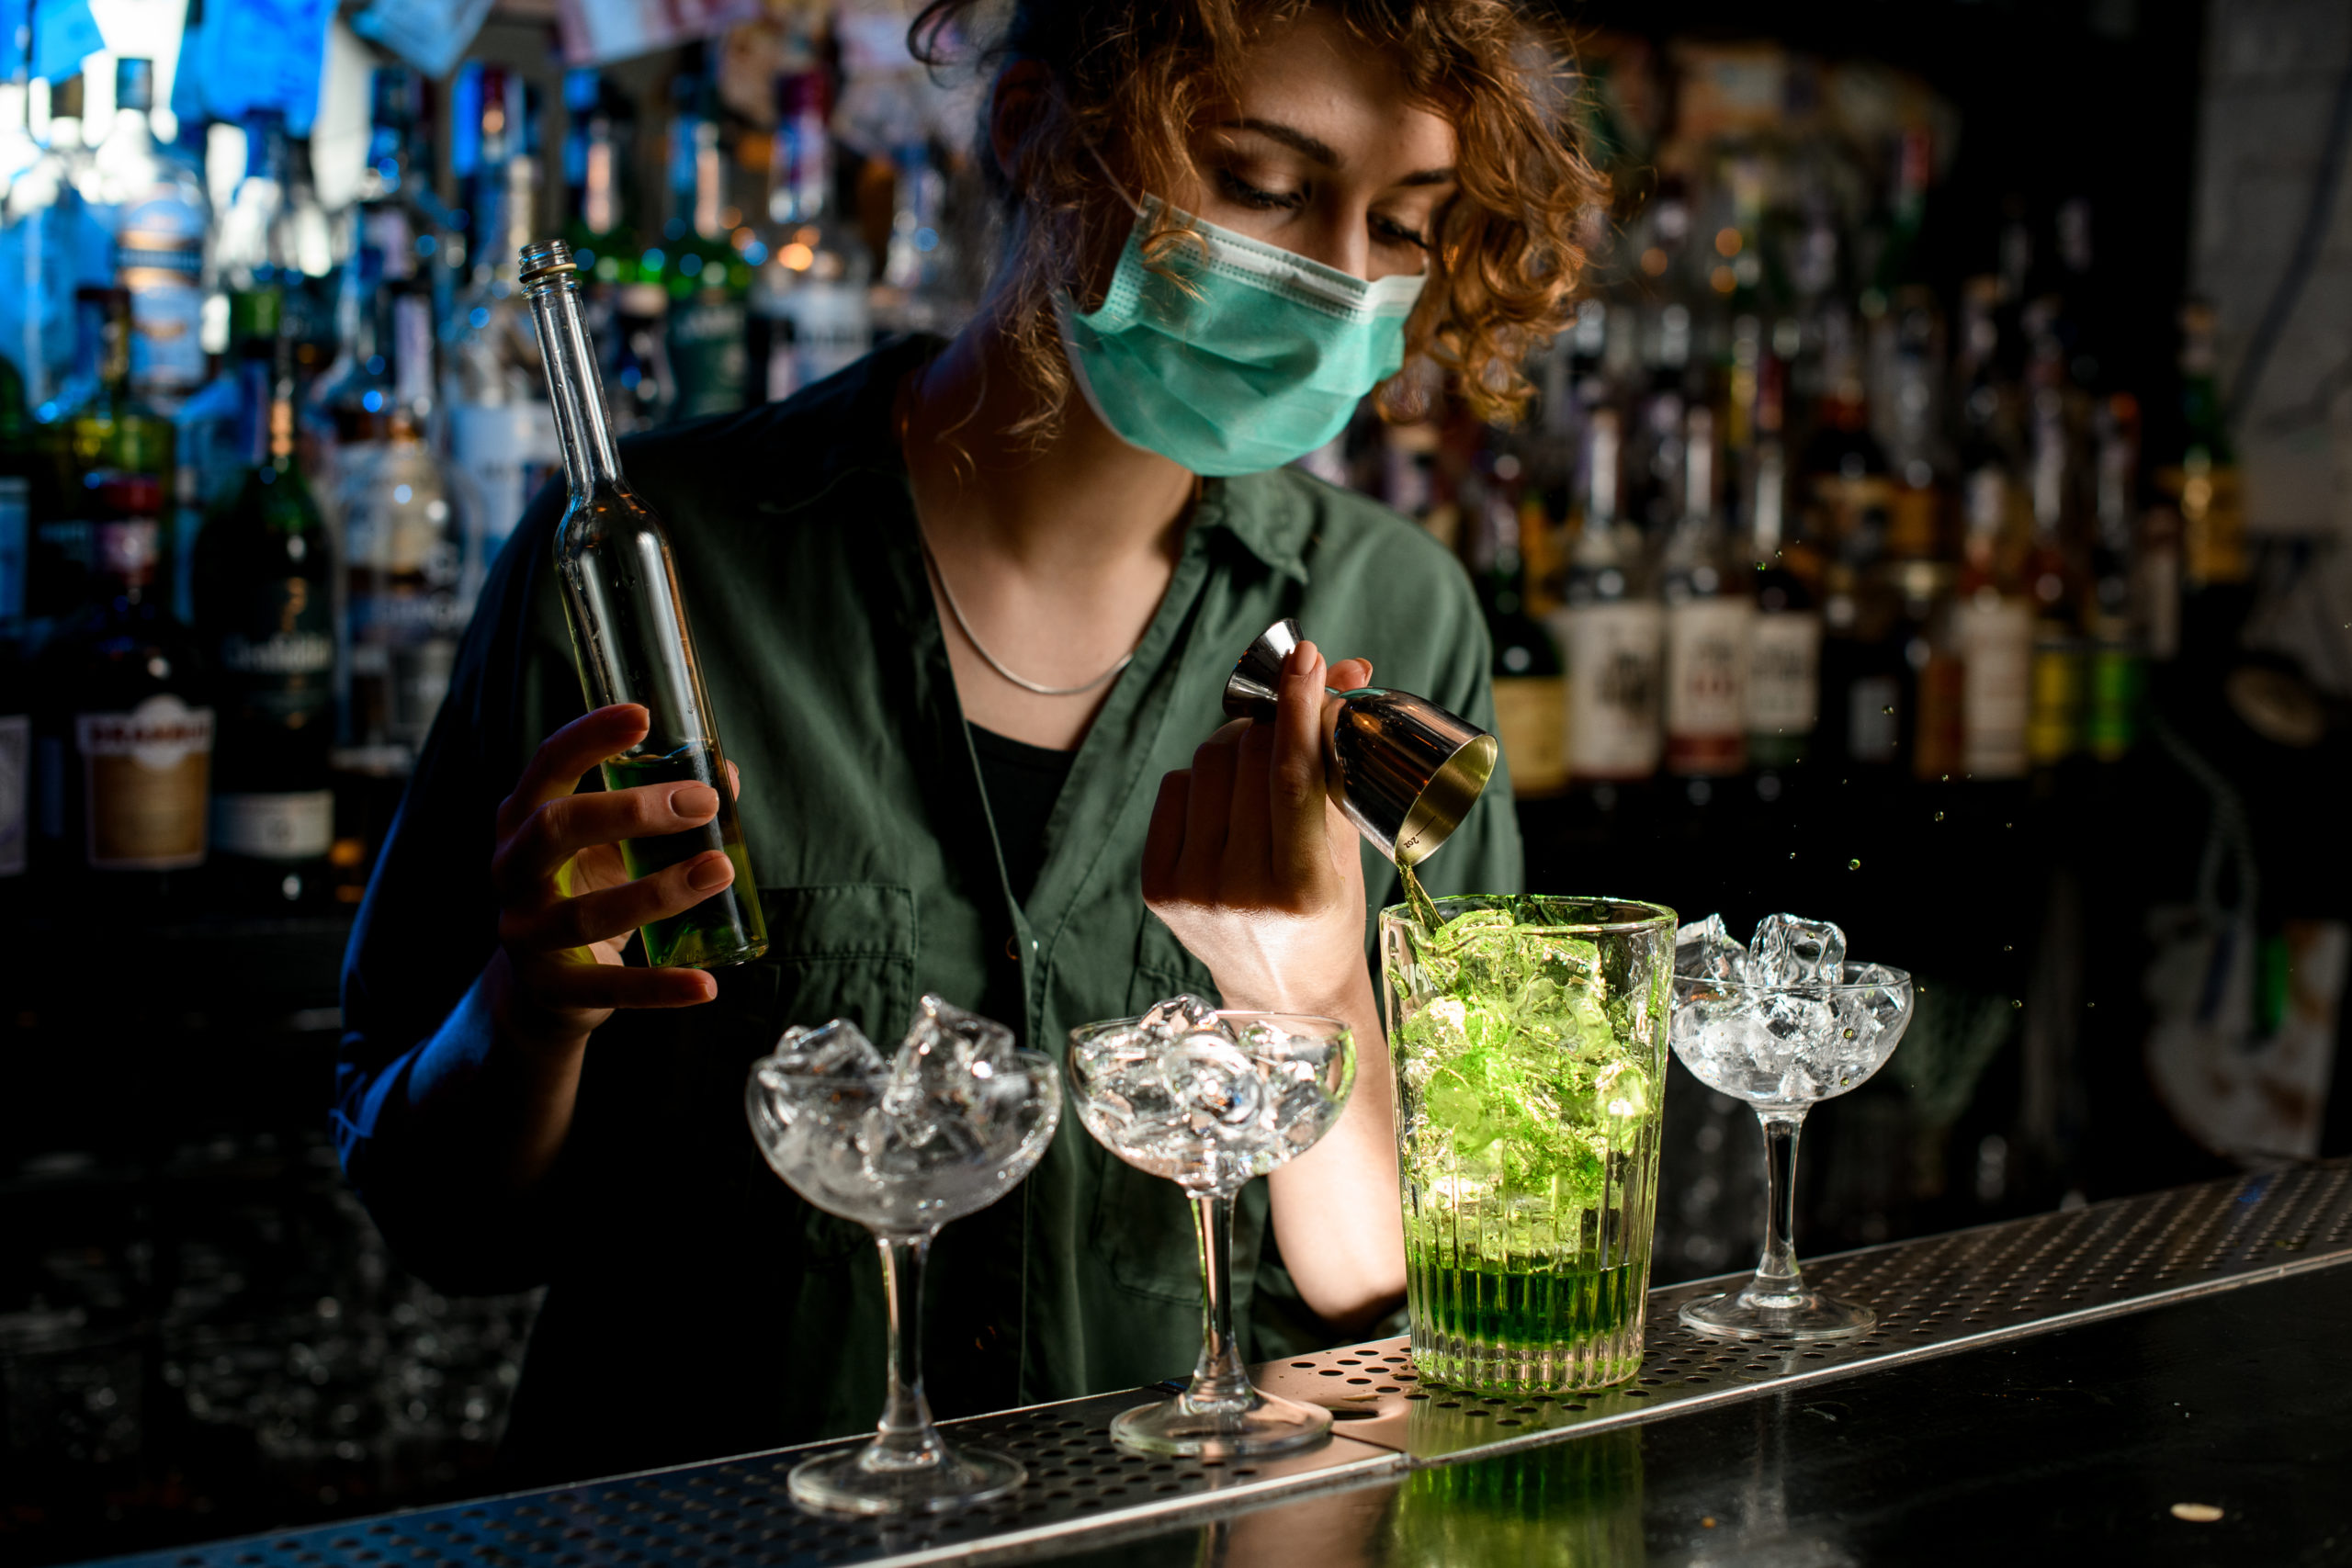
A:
<point x="710" y="874"/>
<point x="694" y="800"/>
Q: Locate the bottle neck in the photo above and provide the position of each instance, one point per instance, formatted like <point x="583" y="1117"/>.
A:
<point x="590" y="461"/>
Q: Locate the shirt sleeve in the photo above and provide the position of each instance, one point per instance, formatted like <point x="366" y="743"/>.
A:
<point x="429" y="919"/>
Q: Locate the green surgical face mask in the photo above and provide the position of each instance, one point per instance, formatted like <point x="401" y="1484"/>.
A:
<point x="1248" y="357"/>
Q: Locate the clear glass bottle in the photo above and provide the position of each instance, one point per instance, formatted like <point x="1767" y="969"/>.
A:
<point x="810" y="312"/>
<point x="44" y="242"/>
<point x="629" y="634"/>
<point x="1707" y="614"/>
<point x="403" y="548"/>
<point x="161" y="217"/>
<point x="1611" y="630"/>
<point x="502" y="441"/>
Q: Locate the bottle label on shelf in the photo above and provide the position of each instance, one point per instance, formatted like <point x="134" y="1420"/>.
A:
<point x="16" y="789"/>
<point x="1706" y="679"/>
<point x="1532" y="722"/>
<point x="708" y="356"/>
<point x="1614" y="653"/>
<point x="274" y="826"/>
<point x="1997" y="658"/>
<point x="280" y="663"/>
<point x="1784" y="673"/>
<point x="143" y="777"/>
<point x="161" y="271"/>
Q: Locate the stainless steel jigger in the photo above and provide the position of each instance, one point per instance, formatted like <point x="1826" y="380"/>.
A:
<point x="1404" y="771"/>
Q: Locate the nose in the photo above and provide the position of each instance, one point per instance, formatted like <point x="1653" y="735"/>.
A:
<point x="1342" y="241"/>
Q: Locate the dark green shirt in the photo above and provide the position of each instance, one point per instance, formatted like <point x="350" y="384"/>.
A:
<point x="695" y="1306"/>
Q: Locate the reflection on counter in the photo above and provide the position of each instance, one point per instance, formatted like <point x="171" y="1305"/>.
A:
<point x="1573" y="1505"/>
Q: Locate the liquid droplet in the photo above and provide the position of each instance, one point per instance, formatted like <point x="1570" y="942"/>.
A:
<point x="2013" y="1002"/>
<point x="1853" y="866"/>
<point x="1940" y="816"/>
<point x="1849" y="1034"/>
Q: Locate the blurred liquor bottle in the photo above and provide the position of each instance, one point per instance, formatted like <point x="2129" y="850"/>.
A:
<point x="52" y="242"/>
<point x="1995" y="628"/>
<point x="123" y="719"/>
<point x="502" y="431"/>
<point x="1707" y="622"/>
<point x="2200" y="479"/>
<point x="1531" y="690"/>
<point x="596" y="160"/>
<point x="209" y="443"/>
<point x="1784" y="636"/>
<point x="1610" y="628"/>
<point x="104" y="432"/>
<point x="265" y="596"/>
<point x="2053" y="583"/>
<point x="2116" y="617"/>
<point x="15" y="691"/>
<point x="161" y="217"/>
<point x="708" y="279"/>
<point x="812" y="315"/>
<point x="403" y="548"/>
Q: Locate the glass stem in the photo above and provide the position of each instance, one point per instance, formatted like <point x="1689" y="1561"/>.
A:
<point x="1777" y="1281"/>
<point x="905" y="1438"/>
<point x="1220" y="1380"/>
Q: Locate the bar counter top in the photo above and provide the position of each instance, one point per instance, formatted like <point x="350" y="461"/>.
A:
<point x="2158" y="1379"/>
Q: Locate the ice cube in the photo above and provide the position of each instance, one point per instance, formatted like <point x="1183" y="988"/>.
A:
<point x="1183" y="1015"/>
<point x="837" y="1048"/>
<point x="1704" y="949"/>
<point x="1789" y="951"/>
<point x="1214" y="1082"/>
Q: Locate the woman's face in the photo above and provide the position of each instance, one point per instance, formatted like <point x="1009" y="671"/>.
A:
<point x="1319" y="154"/>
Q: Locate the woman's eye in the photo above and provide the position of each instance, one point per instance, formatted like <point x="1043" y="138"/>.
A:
<point x="1396" y="233"/>
<point x="1238" y="189"/>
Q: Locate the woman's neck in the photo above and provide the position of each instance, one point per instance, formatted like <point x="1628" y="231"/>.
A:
<point x="1058" y="550"/>
<point x="1076" y="499"/>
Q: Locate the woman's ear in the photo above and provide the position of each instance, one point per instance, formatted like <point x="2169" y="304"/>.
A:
<point x="1015" y="103"/>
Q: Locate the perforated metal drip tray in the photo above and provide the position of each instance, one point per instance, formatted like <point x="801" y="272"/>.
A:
<point x="1933" y="1296"/>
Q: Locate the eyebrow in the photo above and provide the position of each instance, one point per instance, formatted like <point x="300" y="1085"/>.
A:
<point x="1320" y="152"/>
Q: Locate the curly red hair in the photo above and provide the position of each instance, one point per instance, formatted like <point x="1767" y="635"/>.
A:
<point x="1506" y="255"/>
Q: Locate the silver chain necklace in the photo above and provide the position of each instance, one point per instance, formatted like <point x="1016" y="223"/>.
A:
<point x="990" y="659"/>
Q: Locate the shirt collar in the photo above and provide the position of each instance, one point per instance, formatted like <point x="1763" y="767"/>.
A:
<point x="1247" y="508"/>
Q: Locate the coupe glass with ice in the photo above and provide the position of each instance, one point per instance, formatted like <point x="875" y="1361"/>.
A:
<point x="1529" y="1037"/>
<point x="903" y="1145"/>
<point x="1782" y="1022"/>
<point x="1208" y="1099"/>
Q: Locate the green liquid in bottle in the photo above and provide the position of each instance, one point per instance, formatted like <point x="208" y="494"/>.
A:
<point x="726" y="928"/>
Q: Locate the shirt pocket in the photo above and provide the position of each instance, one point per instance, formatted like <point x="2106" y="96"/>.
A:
<point x="846" y="949"/>
<point x="1144" y="1223"/>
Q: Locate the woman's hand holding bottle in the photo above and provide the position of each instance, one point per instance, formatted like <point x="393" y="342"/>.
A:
<point x="567" y="905"/>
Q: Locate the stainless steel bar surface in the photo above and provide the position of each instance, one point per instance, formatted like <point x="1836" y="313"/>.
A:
<point x="1935" y="1296"/>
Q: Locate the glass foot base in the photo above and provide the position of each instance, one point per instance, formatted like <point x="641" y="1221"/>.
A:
<point x="1264" y="1425"/>
<point x="1806" y="1316"/>
<point x="862" y="1481"/>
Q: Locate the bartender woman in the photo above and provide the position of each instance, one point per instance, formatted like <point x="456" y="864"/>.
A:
<point x="966" y="610"/>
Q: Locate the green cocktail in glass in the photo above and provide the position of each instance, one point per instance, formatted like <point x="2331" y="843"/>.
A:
<point x="1529" y="1038"/>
